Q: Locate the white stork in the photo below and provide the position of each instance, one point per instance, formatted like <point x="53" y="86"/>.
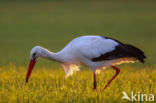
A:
<point x="96" y="52"/>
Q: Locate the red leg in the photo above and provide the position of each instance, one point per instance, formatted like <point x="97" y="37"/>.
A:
<point x="94" y="82"/>
<point x="117" y="72"/>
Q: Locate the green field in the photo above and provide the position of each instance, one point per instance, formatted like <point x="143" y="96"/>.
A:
<point x="52" y="25"/>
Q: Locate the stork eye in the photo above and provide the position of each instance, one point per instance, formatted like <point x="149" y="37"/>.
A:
<point x="34" y="55"/>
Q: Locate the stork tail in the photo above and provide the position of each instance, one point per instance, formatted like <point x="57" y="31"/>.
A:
<point x="135" y="52"/>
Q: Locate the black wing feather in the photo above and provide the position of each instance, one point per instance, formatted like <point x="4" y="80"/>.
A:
<point x="121" y="51"/>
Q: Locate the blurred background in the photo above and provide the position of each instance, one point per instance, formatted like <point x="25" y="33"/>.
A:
<point x="53" y="24"/>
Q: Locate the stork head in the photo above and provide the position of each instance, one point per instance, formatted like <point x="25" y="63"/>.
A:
<point x="34" y="54"/>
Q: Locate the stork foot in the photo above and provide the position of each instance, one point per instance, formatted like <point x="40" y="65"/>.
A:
<point x="94" y="89"/>
<point x="95" y="85"/>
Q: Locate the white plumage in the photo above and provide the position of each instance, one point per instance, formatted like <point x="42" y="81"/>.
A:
<point x="82" y="50"/>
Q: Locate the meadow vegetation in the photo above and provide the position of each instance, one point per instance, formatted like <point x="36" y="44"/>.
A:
<point x="51" y="86"/>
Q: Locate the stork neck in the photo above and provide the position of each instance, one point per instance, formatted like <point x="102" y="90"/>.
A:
<point x="55" y="57"/>
<point x="50" y="55"/>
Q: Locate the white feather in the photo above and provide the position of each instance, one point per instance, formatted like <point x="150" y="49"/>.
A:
<point x="80" y="51"/>
<point x="70" y="69"/>
<point x="92" y="46"/>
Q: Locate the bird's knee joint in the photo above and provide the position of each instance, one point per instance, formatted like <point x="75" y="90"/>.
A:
<point x="117" y="71"/>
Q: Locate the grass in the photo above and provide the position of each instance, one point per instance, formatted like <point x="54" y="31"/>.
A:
<point x="49" y="85"/>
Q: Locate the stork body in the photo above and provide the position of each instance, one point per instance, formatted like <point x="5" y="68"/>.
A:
<point x="96" y="52"/>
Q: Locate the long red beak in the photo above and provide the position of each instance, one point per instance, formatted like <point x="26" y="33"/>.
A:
<point x="31" y="65"/>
